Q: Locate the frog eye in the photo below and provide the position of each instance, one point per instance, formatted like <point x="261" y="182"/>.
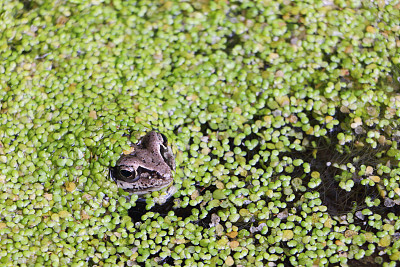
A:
<point x="126" y="174"/>
<point x="129" y="175"/>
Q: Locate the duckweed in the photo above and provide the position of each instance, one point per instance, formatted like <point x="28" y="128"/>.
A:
<point x="283" y="118"/>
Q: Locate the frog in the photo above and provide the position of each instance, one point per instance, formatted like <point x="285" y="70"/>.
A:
<point x="149" y="167"/>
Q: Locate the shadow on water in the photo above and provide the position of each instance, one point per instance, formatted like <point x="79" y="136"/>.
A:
<point x="139" y="209"/>
<point x="334" y="162"/>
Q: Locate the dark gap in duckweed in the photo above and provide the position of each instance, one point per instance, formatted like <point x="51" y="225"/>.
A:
<point x="370" y="261"/>
<point x="378" y="210"/>
<point x="204" y="128"/>
<point x="330" y="193"/>
<point x="395" y="72"/>
<point x="168" y="260"/>
<point x="28" y="5"/>
<point x="265" y="65"/>
<point x="206" y="221"/>
<point x="249" y="152"/>
<point x="232" y="40"/>
<point x="139" y="209"/>
<point x="391" y="83"/>
<point x="90" y="262"/>
<point x="338" y="200"/>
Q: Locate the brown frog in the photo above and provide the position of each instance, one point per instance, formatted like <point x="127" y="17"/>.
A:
<point x="148" y="168"/>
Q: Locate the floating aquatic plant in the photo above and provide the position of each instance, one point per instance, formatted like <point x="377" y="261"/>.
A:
<point x="277" y="111"/>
